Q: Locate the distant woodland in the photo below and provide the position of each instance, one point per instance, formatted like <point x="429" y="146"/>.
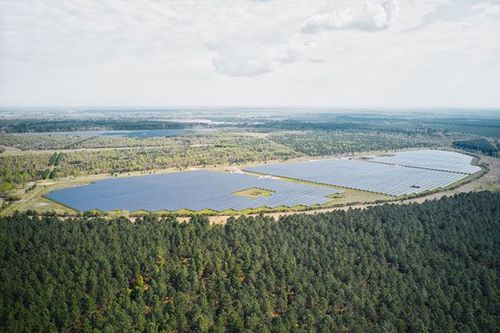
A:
<point x="43" y="125"/>
<point x="478" y="145"/>
<point x="418" y="268"/>
<point x="321" y="143"/>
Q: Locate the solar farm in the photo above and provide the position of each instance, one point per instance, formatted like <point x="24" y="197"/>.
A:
<point x="192" y="190"/>
<point x="403" y="173"/>
<point x="288" y="184"/>
<point x="430" y="159"/>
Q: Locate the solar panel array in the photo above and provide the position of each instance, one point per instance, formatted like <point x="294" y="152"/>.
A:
<point x="358" y="174"/>
<point x="194" y="190"/>
<point x="431" y="159"/>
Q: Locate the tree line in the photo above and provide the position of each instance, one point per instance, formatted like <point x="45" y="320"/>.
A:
<point x="60" y="125"/>
<point x="431" y="267"/>
<point x="477" y="145"/>
<point x="320" y="143"/>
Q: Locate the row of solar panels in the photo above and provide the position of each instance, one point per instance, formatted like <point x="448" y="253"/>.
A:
<point x="431" y="159"/>
<point x="195" y="190"/>
<point x="383" y="178"/>
<point x="198" y="190"/>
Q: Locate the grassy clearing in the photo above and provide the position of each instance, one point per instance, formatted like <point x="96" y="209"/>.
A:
<point x="490" y="187"/>
<point x="255" y="192"/>
<point x="34" y="200"/>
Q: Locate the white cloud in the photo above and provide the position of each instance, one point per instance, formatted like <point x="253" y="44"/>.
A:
<point x="251" y="59"/>
<point x="242" y="60"/>
<point x="486" y="8"/>
<point x="371" y="16"/>
<point x="214" y="52"/>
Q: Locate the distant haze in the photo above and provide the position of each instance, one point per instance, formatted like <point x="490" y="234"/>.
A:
<point x="337" y="53"/>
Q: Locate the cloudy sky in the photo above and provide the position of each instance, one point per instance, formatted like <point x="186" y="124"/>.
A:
<point x="342" y="53"/>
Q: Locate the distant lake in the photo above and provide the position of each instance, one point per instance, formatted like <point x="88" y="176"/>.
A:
<point x="194" y="190"/>
<point x="133" y="133"/>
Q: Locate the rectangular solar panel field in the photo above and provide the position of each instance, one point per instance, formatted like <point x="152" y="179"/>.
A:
<point x="193" y="190"/>
<point x="358" y="174"/>
<point x="431" y="159"/>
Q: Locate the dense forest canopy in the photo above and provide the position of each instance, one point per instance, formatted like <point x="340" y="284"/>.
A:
<point x="424" y="268"/>
<point x="477" y="145"/>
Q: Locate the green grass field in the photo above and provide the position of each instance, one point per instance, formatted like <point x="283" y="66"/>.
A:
<point x="254" y="192"/>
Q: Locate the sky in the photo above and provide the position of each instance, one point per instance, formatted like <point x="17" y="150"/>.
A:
<point x="337" y="53"/>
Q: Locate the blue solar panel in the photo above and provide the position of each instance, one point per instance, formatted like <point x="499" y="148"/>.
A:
<point x="195" y="190"/>
<point x="358" y="174"/>
<point x="431" y="159"/>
